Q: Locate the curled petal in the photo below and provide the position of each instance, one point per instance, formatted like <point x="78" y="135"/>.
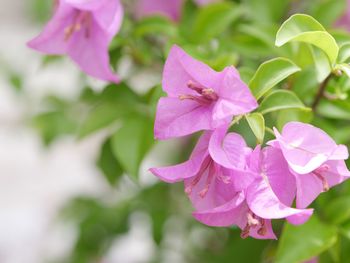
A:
<point x="264" y="203"/>
<point x="304" y="146"/>
<point x="228" y="150"/>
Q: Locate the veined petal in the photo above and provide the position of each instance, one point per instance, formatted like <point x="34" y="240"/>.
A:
<point x="190" y="168"/>
<point x="180" y="68"/>
<point x="264" y="203"/>
<point x="177" y="118"/>
<point x="52" y="40"/>
<point x="90" y="51"/>
<point x="227" y="214"/>
<point x="110" y="16"/>
<point x="309" y="186"/>
<point x="234" y="91"/>
<point x="304" y="146"/>
<point x="281" y="180"/>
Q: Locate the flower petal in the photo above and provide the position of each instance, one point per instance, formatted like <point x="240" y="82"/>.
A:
<point x="224" y="215"/>
<point x="264" y="203"/>
<point x="304" y="146"/>
<point x="51" y="39"/>
<point x="180" y="68"/>
<point x="281" y="180"/>
<point x="176" y="118"/>
<point x="228" y="150"/>
<point x="309" y="186"/>
<point x="190" y="168"/>
<point x="169" y="9"/>
<point x="236" y="98"/>
<point x="91" y="52"/>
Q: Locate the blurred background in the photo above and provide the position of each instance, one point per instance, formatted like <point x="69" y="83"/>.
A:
<point x="68" y="193"/>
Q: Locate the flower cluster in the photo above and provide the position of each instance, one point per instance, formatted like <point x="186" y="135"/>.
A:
<point x="83" y="30"/>
<point x="227" y="182"/>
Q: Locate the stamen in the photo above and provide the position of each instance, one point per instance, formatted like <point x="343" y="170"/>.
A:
<point x="206" y="163"/>
<point x="245" y="232"/>
<point x="318" y="172"/>
<point x="252" y="221"/>
<point x="195" y="86"/>
<point x="205" y="97"/>
<point x="323" y="180"/>
<point x="199" y="99"/>
<point x="262" y="230"/>
<point x="225" y="179"/>
<point x="210" y="177"/>
<point x="82" y="19"/>
<point x="210" y="94"/>
<point x="188" y="189"/>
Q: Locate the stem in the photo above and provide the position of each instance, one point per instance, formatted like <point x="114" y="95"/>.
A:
<point x="321" y="91"/>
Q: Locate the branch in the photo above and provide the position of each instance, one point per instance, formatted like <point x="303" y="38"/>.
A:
<point x="321" y="92"/>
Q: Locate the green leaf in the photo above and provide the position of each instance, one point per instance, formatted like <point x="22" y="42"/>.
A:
<point x="303" y="242"/>
<point x="256" y="122"/>
<point x="267" y="11"/>
<point x="270" y="73"/>
<point x="100" y="117"/>
<point x="155" y="25"/>
<point x="131" y="143"/>
<point x="108" y="164"/>
<point x="337" y="211"/>
<point x="344" y="53"/>
<point x="112" y="104"/>
<point x="281" y="100"/>
<point x="304" y="28"/>
<point x="214" y="19"/>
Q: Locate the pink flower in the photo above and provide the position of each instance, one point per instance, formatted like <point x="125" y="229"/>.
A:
<point x="83" y="30"/>
<point x="168" y="8"/>
<point x="199" y="98"/>
<point x="344" y="21"/>
<point x="216" y="168"/>
<point x="268" y="197"/>
<point x="313" y="157"/>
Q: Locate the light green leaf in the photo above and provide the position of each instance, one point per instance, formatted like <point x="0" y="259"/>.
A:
<point x="270" y="73"/>
<point x="281" y="100"/>
<point x="256" y="122"/>
<point x="213" y="19"/>
<point x="344" y="53"/>
<point x="322" y="66"/>
<point x="304" y="28"/>
<point x="303" y="242"/>
<point x="131" y="143"/>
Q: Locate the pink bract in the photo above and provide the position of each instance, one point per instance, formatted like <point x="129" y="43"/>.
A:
<point x="83" y="31"/>
<point x="268" y="197"/>
<point x="199" y="98"/>
<point x="316" y="161"/>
